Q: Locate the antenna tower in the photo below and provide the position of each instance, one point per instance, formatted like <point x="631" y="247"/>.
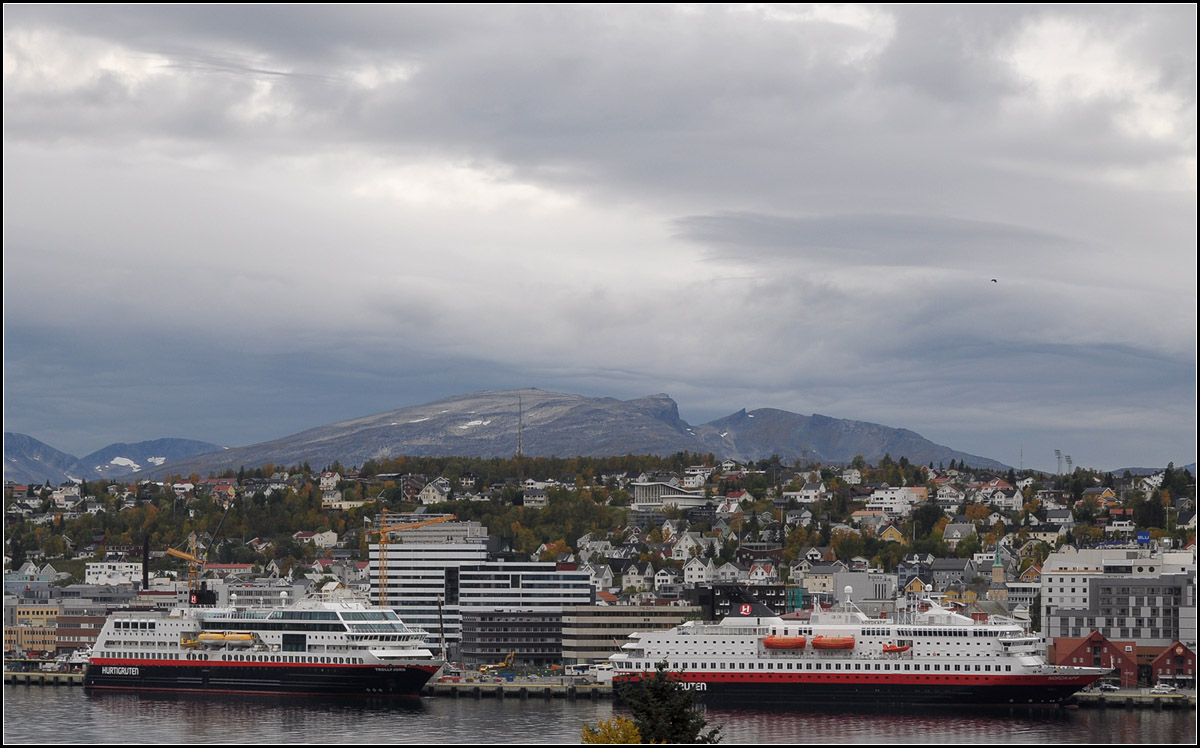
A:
<point x="520" y="426"/>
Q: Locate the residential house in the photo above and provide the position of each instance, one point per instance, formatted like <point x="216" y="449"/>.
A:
<point x="666" y="579"/>
<point x="870" y="519"/>
<point x="891" y="533"/>
<point x="897" y="501"/>
<point x="732" y="572"/>
<point x="689" y="544"/>
<point x="763" y="573"/>
<point x="820" y="578"/>
<point x="637" y="575"/>
<point x="437" y="491"/>
<point x="327" y="539"/>
<point x="948" y="572"/>
<point x="950" y="496"/>
<point x="601" y="575"/>
<point x="535" y="498"/>
<point x="699" y="571"/>
<point x="956" y="533"/>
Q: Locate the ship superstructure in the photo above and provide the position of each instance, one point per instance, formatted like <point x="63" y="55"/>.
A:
<point x="928" y="655"/>
<point x="326" y="645"/>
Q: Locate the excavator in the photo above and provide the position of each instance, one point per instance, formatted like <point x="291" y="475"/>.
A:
<point x="505" y="664"/>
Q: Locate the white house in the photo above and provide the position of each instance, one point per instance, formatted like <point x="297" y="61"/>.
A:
<point x="699" y="571"/>
<point x="763" y="573"/>
<point x="897" y="501"/>
<point x="666" y="577"/>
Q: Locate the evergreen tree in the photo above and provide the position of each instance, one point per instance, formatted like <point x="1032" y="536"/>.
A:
<point x="664" y="711"/>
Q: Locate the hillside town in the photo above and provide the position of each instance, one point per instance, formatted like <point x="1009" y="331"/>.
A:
<point x="544" y="562"/>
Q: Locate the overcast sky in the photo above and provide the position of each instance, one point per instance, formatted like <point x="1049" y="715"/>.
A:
<point x="233" y="223"/>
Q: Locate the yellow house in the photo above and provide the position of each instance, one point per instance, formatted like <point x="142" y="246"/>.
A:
<point x="916" y="586"/>
<point x="961" y="597"/>
<point x="893" y="534"/>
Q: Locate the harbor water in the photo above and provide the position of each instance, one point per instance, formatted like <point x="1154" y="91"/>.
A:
<point x="69" y="715"/>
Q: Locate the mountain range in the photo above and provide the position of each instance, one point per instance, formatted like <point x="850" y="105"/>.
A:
<point x="27" y="460"/>
<point x="497" y="424"/>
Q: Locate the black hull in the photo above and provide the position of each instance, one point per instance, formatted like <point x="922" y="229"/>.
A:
<point x="942" y="693"/>
<point x="294" y="679"/>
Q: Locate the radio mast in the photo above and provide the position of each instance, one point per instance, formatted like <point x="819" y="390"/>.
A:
<point x="520" y="427"/>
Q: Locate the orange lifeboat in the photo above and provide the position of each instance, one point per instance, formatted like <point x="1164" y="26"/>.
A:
<point x="833" y="642"/>
<point x="785" y="642"/>
<point x="892" y="648"/>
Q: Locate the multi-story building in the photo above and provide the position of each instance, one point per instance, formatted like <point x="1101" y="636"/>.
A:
<point x="864" y="585"/>
<point x="437" y="575"/>
<point x="590" y="633"/>
<point x="1128" y="593"/>
<point x="112" y="572"/>
<point x="895" y="501"/>
<point x="533" y="638"/>
<point x="79" y="624"/>
<point x="417" y="575"/>
<point x="718" y="600"/>
<point x="35" y="628"/>
<point x="517" y="607"/>
<point x="522" y="585"/>
<point x="259" y="593"/>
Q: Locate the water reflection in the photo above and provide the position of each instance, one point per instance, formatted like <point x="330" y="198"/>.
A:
<point x="68" y="715"/>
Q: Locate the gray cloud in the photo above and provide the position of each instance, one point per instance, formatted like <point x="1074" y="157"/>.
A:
<point x="869" y="239"/>
<point x="306" y="213"/>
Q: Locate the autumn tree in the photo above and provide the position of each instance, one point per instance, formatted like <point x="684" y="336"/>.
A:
<point x="615" y="730"/>
<point x="977" y="513"/>
<point x="925" y="518"/>
<point x="554" y="549"/>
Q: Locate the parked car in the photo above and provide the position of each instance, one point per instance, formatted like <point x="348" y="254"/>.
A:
<point x="1163" y="688"/>
<point x="1109" y="687"/>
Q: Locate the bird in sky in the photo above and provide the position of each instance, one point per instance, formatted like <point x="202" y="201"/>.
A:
<point x="993" y="280"/>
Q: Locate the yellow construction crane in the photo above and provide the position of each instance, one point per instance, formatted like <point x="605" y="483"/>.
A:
<point x="195" y="563"/>
<point x="383" y="530"/>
